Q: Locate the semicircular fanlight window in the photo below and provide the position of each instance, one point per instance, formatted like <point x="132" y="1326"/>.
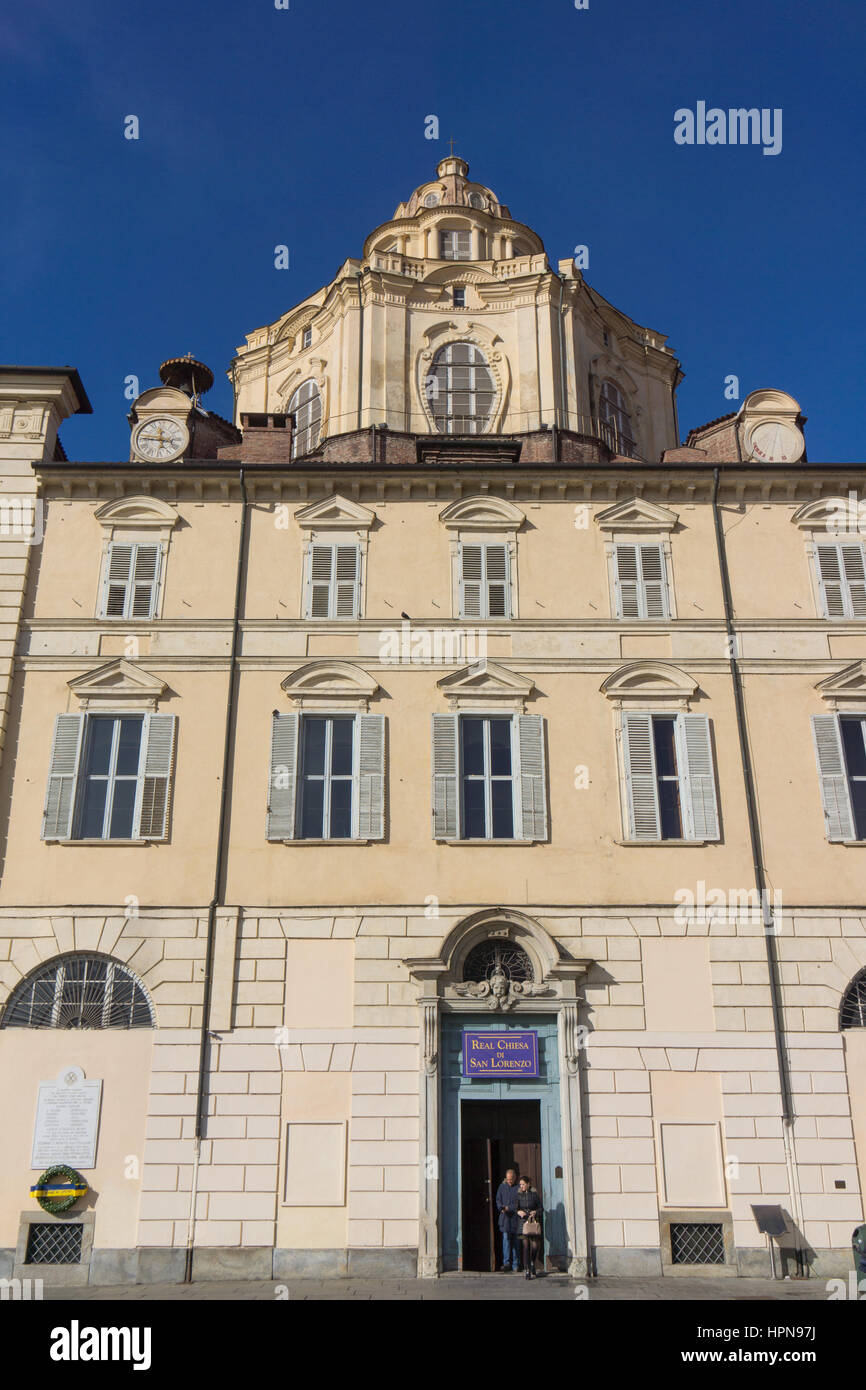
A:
<point x="853" y="1011"/>
<point x="497" y="955"/>
<point x="79" y="991"/>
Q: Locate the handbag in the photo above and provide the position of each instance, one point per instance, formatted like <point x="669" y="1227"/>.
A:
<point x="532" y="1227"/>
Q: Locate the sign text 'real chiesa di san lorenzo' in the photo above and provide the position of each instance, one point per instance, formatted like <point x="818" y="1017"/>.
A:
<point x="282" y="698"/>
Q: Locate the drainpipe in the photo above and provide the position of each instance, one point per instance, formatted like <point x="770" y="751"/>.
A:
<point x="360" y="347"/>
<point x="218" y="899"/>
<point x="760" y="883"/>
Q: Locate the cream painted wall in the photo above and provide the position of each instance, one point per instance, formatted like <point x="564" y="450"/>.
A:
<point x="310" y="1097"/>
<point x="687" y="1115"/>
<point x="29" y="1056"/>
<point x="319" y="984"/>
<point x="678" y="990"/>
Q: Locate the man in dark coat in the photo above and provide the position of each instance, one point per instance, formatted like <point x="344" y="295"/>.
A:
<point x="507" y="1195"/>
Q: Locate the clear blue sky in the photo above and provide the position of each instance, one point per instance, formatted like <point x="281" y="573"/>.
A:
<point x="305" y="126"/>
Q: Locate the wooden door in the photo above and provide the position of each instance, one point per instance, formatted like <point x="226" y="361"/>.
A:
<point x="480" y="1162"/>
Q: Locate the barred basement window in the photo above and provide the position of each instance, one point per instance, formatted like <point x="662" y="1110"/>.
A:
<point x="697" y="1243"/>
<point x="79" y="991"/>
<point x="54" y="1243"/>
<point x="493" y="956"/>
<point x="853" y="1011"/>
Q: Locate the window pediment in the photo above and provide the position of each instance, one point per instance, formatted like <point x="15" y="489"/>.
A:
<point x="335" y="513"/>
<point x="475" y="686"/>
<point x="118" y="682"/>
<point x="650" y="682"/>
<point x="330" y="685"/>
<point x="636" y="515"/>
<point x="836" y="515"/>
<point x="482" y="513"/>
<point x="847" y="684"/>
<point x="137" y="513"/>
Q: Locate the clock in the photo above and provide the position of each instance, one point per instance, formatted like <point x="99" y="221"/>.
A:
<point x="160" y="438"/>
<point x="775" y="441"/>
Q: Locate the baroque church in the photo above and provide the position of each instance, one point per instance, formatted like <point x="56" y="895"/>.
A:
<point x="448" y="585"/>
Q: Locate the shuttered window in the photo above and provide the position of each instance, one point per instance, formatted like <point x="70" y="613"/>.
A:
<point x="842" y="578"/>
<point x="130" y="581"/>
<point x="669" y="777"/>
<point x="485" y="587"/>
<point x="110" y="777"/>
<point x="333" y="575"/>
<point x="641" y="583"/>
<point x="327" y="777"/>
<point x="489" y="777"/>
<point x="306" y="407"/>
<point x="840" y="751"/>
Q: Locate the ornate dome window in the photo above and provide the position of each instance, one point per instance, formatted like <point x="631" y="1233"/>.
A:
<point x="306" y="406"/>
<point x="462" y="391"/>
<point x="431" y="200"/>
<point x="80" y="991"/>
<point x="476" y="201"/>
<point x="497" y="957"/>
<point x="613" y="411"/>
<point x="853" y="1011"/>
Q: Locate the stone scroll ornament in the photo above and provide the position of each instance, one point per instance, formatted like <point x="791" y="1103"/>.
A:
<point x="499" y="992"/>
<point x="59" y="1188"/>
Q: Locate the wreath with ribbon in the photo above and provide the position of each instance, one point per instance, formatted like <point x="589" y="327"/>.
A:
<point x="59" y="1188"/>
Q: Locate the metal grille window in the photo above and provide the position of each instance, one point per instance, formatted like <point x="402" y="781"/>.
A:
<point x="853" y="1011"/>
<point x="80" y="991"/>
<point x="461" y="390"/>
<point x="54" y="1243"/>
<point x="612" y="409"/>
<point x="455" y="246"/>
<point x="306" y="406"/>
<point x="326" y="778"/>
<point x="131" y="580"/>
<point x="490" y="957"/>
<point x="842" y="579"/>
<point x="697" y="1243"/>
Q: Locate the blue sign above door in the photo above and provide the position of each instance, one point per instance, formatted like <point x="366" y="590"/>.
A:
<point x="508" y="1054"/>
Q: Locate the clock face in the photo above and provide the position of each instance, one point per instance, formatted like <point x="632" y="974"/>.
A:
<point x="160" y="438"/>
<point x="774" y="441"/>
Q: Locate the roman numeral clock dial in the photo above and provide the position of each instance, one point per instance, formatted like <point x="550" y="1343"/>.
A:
<point x="160" y="439"/>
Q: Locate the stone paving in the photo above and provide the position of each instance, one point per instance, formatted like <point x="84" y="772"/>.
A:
<point x="458" y="1287"/>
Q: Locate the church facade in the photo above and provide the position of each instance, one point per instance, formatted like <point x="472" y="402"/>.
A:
<point x="282" y="696"/>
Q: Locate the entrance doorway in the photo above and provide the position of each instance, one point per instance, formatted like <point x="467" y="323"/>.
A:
<point x="495" y="1135"/>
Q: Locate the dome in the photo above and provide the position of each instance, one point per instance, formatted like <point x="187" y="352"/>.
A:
<point x="452" y="187"/>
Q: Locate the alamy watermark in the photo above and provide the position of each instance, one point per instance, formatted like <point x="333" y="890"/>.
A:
<point x="21" y="519"/>
<point x="736" y="126"/>
<point x="702" y="906"/>
<point x="431" y="646"/>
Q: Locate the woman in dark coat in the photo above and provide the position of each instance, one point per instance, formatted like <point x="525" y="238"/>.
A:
<point x="529" y="1205"/>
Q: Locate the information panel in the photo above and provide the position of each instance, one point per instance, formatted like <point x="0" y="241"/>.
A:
<point x="500" y="1054"/>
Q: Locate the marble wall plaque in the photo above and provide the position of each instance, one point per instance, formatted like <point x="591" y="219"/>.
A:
<point x="67" y="1121"/>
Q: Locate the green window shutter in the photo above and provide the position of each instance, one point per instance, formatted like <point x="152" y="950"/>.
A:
<point x="644" y="820"/>
<point x="446" y="769"/>
<point x="154" y="782"/>
<point x="833" y="777"/>
<point x="62" y="777"/>
<point x="370" y="776"/>
<point x="282" y="778"/>
<point x="697" y="777"/>
<point x="531" y="776"/>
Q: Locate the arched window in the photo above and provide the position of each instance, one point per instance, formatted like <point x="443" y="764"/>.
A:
<point x="497" y="956"/>
<point x="852" y="1014"/>
<point x="306" y="406"/>
<point x="614" y="413"/>
<point x="79" y="991"/>
<point x="461" y="390"/>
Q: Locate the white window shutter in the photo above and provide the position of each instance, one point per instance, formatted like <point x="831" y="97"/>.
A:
<point x="644" y="820"/>
<point x="833" y="777"/>
<point x="855" y="576"/>
<point x="697" y="777"/>
<point x="321" y="565"/>
<point x="496" y="566"/>
<point x="627" y="601"/>
<point x="531" y="777"/>
<point x="346" y="581"/>
<point x="282" y="778"/>
<point x="446" y="766"/>
<point x="830" y="579"/>
<point x="370" y="776"/>
<point x="118" y="572"/>
<point x="154" y="778"/>
<point x="471" y="580"/>
<point x="654" y="582"/>
<point x="145" y="577"/>
<point x="62" y="777"/>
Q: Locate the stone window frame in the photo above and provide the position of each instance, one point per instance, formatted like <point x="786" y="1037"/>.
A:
<point x="138" y="520"/>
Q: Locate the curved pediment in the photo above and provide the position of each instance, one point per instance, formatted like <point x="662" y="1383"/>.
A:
<point x="482" y="513"/>
<point x="845" y="515"/>
<point x="118" y="682"/>
<point x="636" y="514"/>
<point x="330" y="683"/>
<point x="335" y="513"/>
<point x="653" y="681"/>
<point x="137" y="512"/>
